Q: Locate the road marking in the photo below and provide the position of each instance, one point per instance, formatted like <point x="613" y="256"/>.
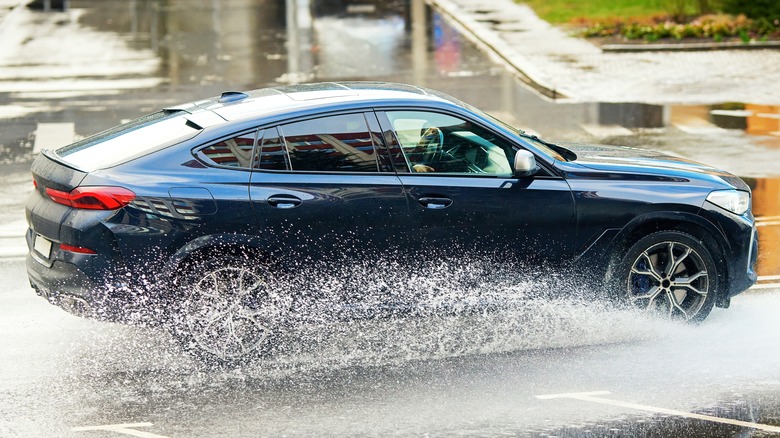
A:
<point x="768" y="277"/>
<point x="765" y="286"/>
<point x="767" y="224"/>
<point x="700" y="128"/>
<point x="602" y="131"/>
<point x="11" y="259"/>
<point x="125" y="429"/>
<point x="592" y="397"/>
<point x="53" y="135"/>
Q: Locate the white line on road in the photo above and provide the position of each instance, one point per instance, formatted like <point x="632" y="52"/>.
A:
<point x="591" y="397"/>
<point x="768" y="277"/>
<point x="53" y="135"/>
<point x="12" y="259"/>
<point x="125" y="429"/>
<point x="602" y="131"/>
<point x="765" y="286"/>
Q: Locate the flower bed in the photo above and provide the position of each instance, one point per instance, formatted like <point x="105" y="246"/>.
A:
<point x="713" y="27"/>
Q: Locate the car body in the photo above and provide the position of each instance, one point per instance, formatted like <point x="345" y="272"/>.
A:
<point x="215" y="204"/>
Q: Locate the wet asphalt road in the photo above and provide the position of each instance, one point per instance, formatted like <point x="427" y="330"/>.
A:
<point x="478" y="376"/>
<point x="466" y="376"/>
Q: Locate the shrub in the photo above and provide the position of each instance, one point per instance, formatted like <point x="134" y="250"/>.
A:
<point x="766" y="9"/>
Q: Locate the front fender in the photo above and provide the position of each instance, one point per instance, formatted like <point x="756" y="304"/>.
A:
<point x="614" y="241"/>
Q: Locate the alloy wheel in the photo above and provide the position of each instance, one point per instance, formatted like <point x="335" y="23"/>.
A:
<point x="669" y="278"/>
<point x="230" y="312"/>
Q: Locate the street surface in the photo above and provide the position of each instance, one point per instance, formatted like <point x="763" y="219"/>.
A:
<point x="475" y="376"/>
<point x="546" y="368"/>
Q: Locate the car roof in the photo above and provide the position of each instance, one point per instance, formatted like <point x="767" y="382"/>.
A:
<point x="235" y="106"/>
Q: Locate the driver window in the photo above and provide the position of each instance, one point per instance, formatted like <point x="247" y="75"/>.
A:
<point x="439" y="143"/>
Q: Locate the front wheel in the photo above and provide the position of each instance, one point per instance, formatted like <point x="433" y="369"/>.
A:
<point x="669" y="273"/>
<point x="229" y="311"/>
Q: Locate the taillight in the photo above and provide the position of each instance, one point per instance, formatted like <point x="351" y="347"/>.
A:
<point x="93" y="198"/>
<point x="78" y="249"/>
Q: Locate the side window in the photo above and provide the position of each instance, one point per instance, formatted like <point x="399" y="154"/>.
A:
<point x="340" y="143"/>
<point x="273" y="154"/>
<point x="233" y="152"/>
<point x="433" y="142"/>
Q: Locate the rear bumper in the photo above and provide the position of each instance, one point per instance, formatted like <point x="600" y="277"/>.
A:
<point x="63" y="283"/>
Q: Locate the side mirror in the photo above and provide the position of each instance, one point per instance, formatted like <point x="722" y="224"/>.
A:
<point x="525" y="164"/>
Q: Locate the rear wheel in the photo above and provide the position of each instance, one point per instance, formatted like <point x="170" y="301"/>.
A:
<point x="671" y="274"/>
<point x="229" y="311"/>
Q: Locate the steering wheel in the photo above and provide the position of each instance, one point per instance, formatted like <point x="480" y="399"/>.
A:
<point x="431" y="144"/>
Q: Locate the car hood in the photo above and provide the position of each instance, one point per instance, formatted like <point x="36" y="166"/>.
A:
<point x="625" y="160"/>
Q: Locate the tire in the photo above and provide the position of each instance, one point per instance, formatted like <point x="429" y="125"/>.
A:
<point x="668" y="273"/>
<point x="228" y="311"/>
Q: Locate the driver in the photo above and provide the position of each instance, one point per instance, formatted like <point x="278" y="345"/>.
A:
<point x="423" y="168"/>
<point x="430" y="142"/>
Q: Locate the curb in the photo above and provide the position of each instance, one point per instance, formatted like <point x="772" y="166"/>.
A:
<point x="490" y="40"/>
<point x="689" y="47"/>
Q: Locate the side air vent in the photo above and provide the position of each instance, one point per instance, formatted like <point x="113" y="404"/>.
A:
<point x="232" y="96"/>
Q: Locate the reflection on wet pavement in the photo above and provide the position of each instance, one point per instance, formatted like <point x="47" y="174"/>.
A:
<point x="766" y="208"/>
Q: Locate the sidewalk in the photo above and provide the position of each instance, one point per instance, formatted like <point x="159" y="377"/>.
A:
<point x="561" y="66"/>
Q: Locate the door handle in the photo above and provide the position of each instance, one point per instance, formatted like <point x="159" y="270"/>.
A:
<point x="283" y="201"/>
<point x="435" y="203"/>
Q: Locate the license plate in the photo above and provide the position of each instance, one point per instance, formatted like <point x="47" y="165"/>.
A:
<point x="42" y="246"/>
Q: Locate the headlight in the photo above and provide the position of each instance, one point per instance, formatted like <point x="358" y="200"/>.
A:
<point x="735" y="201"/>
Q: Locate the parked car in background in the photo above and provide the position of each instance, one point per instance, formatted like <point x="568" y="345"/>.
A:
<point x="200" y="214"/>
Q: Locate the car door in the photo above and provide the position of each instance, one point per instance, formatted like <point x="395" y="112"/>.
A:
<point x="463" y="198"/>
<point x="323" y="190"/>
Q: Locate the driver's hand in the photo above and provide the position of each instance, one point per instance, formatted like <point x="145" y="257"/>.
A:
<point x="423" y="168"/>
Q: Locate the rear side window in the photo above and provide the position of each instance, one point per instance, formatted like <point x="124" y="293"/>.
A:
<point x="128" y="141"/>
<point x="341" y="143"/>
<point x="232" y="152"/>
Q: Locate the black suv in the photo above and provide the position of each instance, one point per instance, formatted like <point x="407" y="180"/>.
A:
<point x="208" y="212"/>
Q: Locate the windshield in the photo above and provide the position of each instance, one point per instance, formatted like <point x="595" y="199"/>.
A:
<point x="127" y="141"/>
<point x="557" y="152"/>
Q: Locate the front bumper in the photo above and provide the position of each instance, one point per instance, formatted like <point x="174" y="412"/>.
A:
<point x="740" y="250"/>
<point x="742" y="282"/>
